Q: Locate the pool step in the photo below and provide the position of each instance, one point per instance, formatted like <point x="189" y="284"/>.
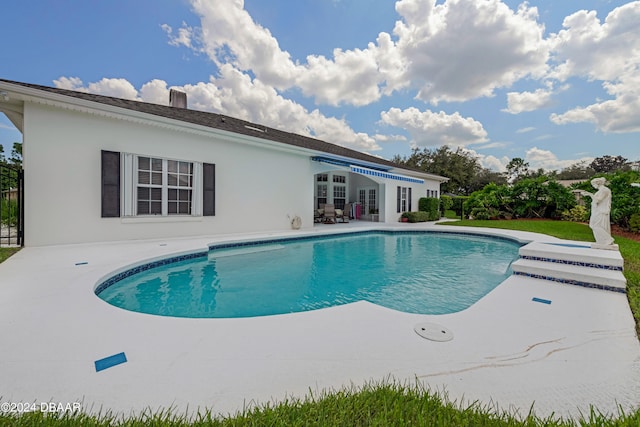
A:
<point x="574" y="264"/>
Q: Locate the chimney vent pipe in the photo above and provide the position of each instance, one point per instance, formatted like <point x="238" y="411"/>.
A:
<point x="177" y="98"/>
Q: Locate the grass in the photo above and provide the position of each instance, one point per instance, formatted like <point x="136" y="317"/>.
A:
<point x="377" y="404"/>
<point x="561" y="229"/>
<point x="7" y="252"/>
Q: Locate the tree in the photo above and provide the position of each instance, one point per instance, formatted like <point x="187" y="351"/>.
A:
<point x="517" y="169"/>
<point x="579" y="170"/>
<point x="484" y="177"/>
<point x="459" y="166"/>
<point x="608" y="164"/>
<point x="16" y="156"/>
<point x="540" y="198"/>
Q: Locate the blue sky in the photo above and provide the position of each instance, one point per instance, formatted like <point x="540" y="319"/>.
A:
<point x="553" y="82"/>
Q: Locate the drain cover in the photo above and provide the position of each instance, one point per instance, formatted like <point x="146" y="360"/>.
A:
<point x="433" y="332"/>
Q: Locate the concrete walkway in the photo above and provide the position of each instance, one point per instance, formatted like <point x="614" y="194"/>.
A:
<point x="508" y="351"/>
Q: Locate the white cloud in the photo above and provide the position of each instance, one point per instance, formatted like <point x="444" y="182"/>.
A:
<point x="494" y="163"/>
<point x="119" y="88"/>
<point x="184" y="36"/>
<point x="155" y="91"/>
<point x="618" y="115"/>
<point x="491" y="145"/>
<point x="520" y="102"/>
<point x="545" y="159"/>
<point x="352" y="76"/>
<point x="389" y="138"/>
<point x="70" y="83"/>
<point x="525" y="130"/>
<point x="609" y="52"/>
<point x="462" y="49"/>
<point x="458" y="50"/>
<point x="585" y="47"/>
<point x="428" y="128"/>
<point x="230" y="35"/>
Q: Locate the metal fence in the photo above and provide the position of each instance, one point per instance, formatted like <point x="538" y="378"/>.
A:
<point x="11" y="206"/>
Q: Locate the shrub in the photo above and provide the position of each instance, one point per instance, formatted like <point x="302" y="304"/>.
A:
<point x="431" y="205"/>
<point x="419" y="216"/>
<point x="484" y="213"/>
<point x="540" y="198"/>
<point x="446" y="203"/>
<point x="576" y="214"/>
<point x="8" y="212"/>
<point x="489" y="201"/>
<point x="634" y="223"/>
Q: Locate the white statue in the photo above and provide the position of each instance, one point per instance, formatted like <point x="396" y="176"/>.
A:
<point x="600" y="221"/>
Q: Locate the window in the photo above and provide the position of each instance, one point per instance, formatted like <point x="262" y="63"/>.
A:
<point x="339" y="196"/>
<point x="164" y="187"/>
<point x="321" y="196"/>
<point x="372" y="203"/>
<point x="135" y="185"/>
<point x="403" y="199"/>
<point x="149" y="188"/>
<point x="341" y="179"/>
<point x="180" y="187"/>
<point x="322" y="177"/>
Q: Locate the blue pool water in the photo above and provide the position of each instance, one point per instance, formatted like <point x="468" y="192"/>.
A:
<point x="425" y="273"/>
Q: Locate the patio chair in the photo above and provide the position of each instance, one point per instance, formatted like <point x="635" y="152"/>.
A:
<point x="344" y="213"/>
<point x="329" y="214"/>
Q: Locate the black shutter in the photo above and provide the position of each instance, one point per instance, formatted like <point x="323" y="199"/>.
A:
<point x="398" y="199"/>
<point x="409" y="200"/>
<point x="110" y="165"/>
<point x="208" y="189"/>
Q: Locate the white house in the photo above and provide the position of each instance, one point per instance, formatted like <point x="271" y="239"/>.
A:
<point x="98" y="168"/>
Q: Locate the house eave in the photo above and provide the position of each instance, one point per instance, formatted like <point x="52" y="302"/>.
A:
<point x="20" y="94"/>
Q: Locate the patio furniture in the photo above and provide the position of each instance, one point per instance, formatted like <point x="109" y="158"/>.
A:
<point x="344" y="213"/>
<point x="318" y="215"/>
<point x="329" y="214"/>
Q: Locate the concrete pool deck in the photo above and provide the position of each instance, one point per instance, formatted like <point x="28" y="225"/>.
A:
<point x="508" y="352"/>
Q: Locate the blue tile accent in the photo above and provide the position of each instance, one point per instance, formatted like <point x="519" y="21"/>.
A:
<point x="110" y="361"/>
<point x="82" y="263"/>
<point x="543" y="301"/>
<point x="144" y="267"/>
<point x="576" y="263"/>
<point x="572" y="282"/>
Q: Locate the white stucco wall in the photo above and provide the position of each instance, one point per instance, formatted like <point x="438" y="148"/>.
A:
<point x="256" y="188"/>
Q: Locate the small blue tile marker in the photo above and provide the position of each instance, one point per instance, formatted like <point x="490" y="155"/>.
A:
<point x="110" y="361"/>
<point x="543" y="301"/>
<point x="82" y="263"/>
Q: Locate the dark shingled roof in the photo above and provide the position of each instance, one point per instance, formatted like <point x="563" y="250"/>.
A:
<point x="219" y="121"/>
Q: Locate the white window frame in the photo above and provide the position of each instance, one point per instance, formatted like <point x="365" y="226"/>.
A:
<point x="130" y="187"/>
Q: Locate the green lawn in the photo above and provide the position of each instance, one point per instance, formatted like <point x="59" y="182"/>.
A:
<point x="7" y="252"/>
<point x="383" y="404"/>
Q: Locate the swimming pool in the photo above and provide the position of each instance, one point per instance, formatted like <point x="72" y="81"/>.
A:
<point x="414" y="272"/>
